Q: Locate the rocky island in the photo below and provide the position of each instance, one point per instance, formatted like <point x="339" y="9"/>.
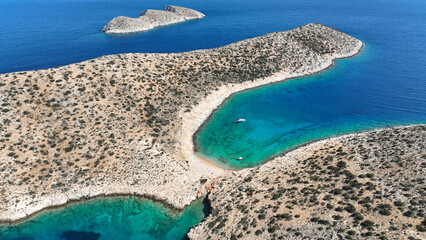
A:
<point x="123" y="124"/>
<point x="150" y="19"/>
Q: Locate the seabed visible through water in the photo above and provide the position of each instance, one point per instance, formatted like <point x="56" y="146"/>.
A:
<point x="109" y="218"/>
<point x="383" y="86"/>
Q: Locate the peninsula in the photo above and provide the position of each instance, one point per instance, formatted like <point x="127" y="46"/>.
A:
<point x="150" y="19"/>
<point x="123" y="124"/>
<point x="368" y="185"/>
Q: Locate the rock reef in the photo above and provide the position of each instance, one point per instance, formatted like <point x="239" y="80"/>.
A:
<point x="367" y="185"/>
<point x="123" y="124"/>
<point x="150" y="19"/>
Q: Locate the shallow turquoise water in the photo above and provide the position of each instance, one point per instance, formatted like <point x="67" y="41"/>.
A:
<point x="384" y="86"/>
<point x="344" y="99"/>
<point x="108" y="219"/>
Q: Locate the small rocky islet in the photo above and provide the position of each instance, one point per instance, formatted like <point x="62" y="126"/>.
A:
<point x="123" y="124"/>
<point x="150" y="19"/>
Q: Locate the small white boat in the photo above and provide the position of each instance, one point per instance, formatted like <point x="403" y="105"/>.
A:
<point x="239" y="120"/>
<point x="240" y="158"/>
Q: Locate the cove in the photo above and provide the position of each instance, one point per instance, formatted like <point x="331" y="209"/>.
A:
<point x="383" y="86"/>
<point x="109" y="218"/>
<point x="282" y="116"/>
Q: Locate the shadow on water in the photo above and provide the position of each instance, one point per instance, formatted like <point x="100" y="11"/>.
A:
<point x="76" y="235"/>
<point x="207" y="209"/>
<point x="386" y="89"/>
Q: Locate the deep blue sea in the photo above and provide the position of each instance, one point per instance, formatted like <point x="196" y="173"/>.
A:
<point x="383" y="86"/>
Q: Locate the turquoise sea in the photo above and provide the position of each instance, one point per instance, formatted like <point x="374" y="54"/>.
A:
<point x="383" y="86"/>
<point x="291" y="113"/>
<point x="108" y="219"/>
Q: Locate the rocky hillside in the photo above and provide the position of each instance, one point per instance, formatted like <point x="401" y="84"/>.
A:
<point x="361" y="186"/>
<point x="150" y="19"/>
<point x="123" y="123"/>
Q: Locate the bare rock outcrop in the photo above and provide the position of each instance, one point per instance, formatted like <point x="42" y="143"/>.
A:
<point x="150" y="19"/>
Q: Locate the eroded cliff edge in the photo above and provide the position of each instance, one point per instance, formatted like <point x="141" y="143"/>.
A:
<point x="150" y="19"/>
<point x="123" y="124"/>
<point x="367" y="185"/>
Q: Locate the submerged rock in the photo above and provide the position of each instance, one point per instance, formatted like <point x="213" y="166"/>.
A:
<point x="150" y="19"/>
<point x="76" y="235"/>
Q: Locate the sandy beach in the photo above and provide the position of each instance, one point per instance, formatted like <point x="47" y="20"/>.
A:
<point x="124" y="124"/>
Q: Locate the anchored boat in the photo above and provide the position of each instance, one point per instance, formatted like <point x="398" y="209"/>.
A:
<point x="239" y="120"/>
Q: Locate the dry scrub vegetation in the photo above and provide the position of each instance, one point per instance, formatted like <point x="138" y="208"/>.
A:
<point x="114" y="122"/>
<point x="361" y="186"/>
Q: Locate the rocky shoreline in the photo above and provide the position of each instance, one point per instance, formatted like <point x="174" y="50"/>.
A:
<point x="367" y="185"/>
<point x="123" y="124"/>
<point x="150" y="19"/>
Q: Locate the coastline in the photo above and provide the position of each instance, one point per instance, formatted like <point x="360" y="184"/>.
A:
<point x="118" y="32"/>
<point x="225" y="94"/>
<point x="151" y="198"/>
<point x="169" y="173"/>
<point x="385" y="158"/>
<point x="151" y="19"/>
<point x="217" y="99"/>
<point x="289" y="157"/>
<point x="336" y="137"/>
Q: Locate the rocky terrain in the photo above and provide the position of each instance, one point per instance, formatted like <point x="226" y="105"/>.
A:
<point x="123" y="124"/>
<point x="360" y="186"/>
<point x="150" y="19"/>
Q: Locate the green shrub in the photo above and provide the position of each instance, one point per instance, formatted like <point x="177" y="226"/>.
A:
<point x="367" y="224"/>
